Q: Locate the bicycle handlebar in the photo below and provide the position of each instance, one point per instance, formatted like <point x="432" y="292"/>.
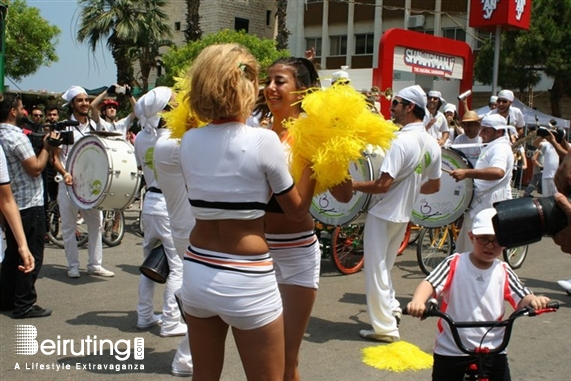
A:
<point x="433" y="310"/>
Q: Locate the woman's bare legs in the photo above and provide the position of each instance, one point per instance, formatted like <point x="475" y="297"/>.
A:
<point x="207" y="339"/>
<point x="262" y="351"/>
<point x="297" y="302"/>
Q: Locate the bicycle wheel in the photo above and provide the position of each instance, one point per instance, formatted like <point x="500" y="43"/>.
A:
<point x="140" y="227"/>
<point x="113" y="231"/>
<point x="414" y="233"/>
<point x="54" y="232"/>
<point x="347" y="249"/>
<point x="434" y="245"/>
<point x="515" y="256"/>
<point x="405" y="240"/>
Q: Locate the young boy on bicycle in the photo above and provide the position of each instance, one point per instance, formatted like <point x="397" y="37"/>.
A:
<point x="473" y="287"/>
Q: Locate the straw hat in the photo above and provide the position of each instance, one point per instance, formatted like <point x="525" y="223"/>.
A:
<point x="470" y="116"/>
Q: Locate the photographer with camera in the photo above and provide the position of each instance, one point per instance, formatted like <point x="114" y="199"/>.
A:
<point x="18" y="290"/>
<point x="104" y="111"/>
<point x="553" y="148"/>
<point x="78" y="105"/>
<point x="492" y="174"/>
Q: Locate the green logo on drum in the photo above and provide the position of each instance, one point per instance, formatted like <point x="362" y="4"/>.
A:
<point x="96" y="187"/>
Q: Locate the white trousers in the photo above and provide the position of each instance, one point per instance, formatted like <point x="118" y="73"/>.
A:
<point x="382" y="239"/>
<point x="157" y="228"/>
<point x="548" y="187"/>
<point x="463" y="243"/>
<point x="182" y="358"/>
<point x="93" y="218"/>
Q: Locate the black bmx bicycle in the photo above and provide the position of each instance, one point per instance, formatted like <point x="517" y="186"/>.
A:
<point x="476" y="370"/>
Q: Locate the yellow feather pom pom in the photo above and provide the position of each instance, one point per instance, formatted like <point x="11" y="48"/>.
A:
<point x="336" y="128"/>
<point x="181" y="118"/>
<point x="397" y="357"/>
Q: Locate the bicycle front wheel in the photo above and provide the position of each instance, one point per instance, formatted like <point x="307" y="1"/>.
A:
<point x="114" y="227"/>
<point x="347" y="249"/>
<point x="515" y="256"/>
<point x="434" y="245"/>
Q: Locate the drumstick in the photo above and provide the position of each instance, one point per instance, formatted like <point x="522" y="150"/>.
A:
<point x="446" y="170"/>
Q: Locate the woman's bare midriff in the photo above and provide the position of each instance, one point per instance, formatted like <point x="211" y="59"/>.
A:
<point x="278" y="223"/>
<point x="240" y="237"/>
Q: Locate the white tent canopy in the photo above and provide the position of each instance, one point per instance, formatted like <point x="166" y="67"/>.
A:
<point x="530" y="115"/>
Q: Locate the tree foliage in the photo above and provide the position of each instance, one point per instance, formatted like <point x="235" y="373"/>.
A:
<point x="30" y="41"/>
<point x="177" y="60"/>
<point x="524" y="55"/>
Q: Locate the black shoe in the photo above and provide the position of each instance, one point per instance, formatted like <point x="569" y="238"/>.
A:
<point x="34" y="312"/>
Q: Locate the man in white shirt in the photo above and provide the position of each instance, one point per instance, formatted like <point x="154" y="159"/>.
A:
<point x="435" y="121"/>
<point x="411" y="166"/>
<point x="104" y="111"/>
<point x="552" y="150"/>
<point x="470" y="142"/>
<point x="512" y="114"/>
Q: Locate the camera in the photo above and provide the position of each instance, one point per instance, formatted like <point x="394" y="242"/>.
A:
<point x="522" y="221"/>
<point x="558" y="133"/>
<point x="65" y="137"/>
<point x="116" y="89"/>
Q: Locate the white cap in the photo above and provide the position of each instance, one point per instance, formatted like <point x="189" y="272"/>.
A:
<point x="149" y="105"/>
<point x="483" y="222"/>
<point x="493" y="99"/>
<point x="497" y="122"/>
<point x="414" y="94"/>
<point x="72" y="92"/>
<point x="434" y="93"/>
<point x="340" y="74"/>
<point x="450" y="108"/>
<point x="506" y="94"/>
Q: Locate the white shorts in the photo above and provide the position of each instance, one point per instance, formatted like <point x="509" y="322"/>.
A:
<point x="297" y="258"/>
<point x="241" y="290"/>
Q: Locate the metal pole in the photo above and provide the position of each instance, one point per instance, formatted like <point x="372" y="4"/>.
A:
<point x="3" y="13"/>
<point x="496" y="59"/>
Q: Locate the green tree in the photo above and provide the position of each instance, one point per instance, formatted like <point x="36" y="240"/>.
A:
<point x="192" y="31"/>
<point x="524" y="55"/>
<point x="283" y="32"/>
<point x="30" y="41"/>
<point x="177" y="60"/>
<point x="133" y="30"/>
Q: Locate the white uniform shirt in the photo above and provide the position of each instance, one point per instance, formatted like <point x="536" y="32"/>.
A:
<point x="439" y="127"/>
<point x="403" y="163"/>
<point x="497" y="154"/>
<point x="78" y="132"/>
<point x="515" y="116"/>
<point x="472" y="153"/>
<point x="172" y="183"/>
<point x="550" y="159"/>
<point x="472" y="294"/>
<point x="121" y="125"/>
<point x="154" y="203"/>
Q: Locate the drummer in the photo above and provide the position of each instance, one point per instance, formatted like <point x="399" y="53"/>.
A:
<point x="412" y="166"/>
<point x="78" y="105"/>
<point x="492" y="174"/>
<point x="471" y="136"/>
<point x="104" y="111"/>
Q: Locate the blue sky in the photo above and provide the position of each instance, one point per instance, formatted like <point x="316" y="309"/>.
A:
<point x="77" y="65"/>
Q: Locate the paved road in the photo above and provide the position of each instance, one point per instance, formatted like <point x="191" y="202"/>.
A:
<point x="105" y="307"/>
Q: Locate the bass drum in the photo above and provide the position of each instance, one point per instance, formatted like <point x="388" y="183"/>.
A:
<point x="451" y="201"/>
<point x="104" y="171"/>
<point x="326" y="209"/>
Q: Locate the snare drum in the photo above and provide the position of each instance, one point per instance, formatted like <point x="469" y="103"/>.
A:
<point x="326" y="209"/>
<point x="451" y="201"/>
<point x="104" y="171"/>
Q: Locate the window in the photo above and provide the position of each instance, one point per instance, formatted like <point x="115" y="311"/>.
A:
<point x="241" y="24"/>
<point x="364" y="43"/>
<point x="268" y="18"/>
<point x="338" y="46"/>
<point x="177" y="25"/>
<point x="455" y="34"/>
<point x="314" y="43"/>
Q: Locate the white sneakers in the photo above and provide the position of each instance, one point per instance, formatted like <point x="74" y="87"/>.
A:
<point x="73" y="273"/>
<point x="100" y="271"/>
<point x="370" y="334"/>
<point x="565" y="284"/>
<point x="178" y="329"/>
<point x="149" y="323"/>
<point x="179" y="372"/>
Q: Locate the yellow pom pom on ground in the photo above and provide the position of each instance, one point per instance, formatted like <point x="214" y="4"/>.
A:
<point x="397" y="357"/>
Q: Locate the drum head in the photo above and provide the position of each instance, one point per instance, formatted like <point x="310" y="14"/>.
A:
<point x="451" y="201"/>
<point x="88" y="163"/>
<point x="326" y="209"/>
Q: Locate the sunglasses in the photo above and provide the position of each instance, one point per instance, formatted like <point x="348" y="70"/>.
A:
<point x="502" y="101"/>
<point x="433" y="98"/>
<point x="37" y="115"/>
<point x="395" y="103"/>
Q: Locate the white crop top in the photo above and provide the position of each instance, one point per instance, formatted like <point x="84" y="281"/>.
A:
<point x="231" y="170"/>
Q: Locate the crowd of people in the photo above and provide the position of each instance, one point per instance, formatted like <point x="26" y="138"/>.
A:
<point x="235" y="226"/>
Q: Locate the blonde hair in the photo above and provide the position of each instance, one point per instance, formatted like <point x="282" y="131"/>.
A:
<point x="224" y="82"/>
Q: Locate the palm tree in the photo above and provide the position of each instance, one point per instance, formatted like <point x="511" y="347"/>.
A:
<point x="133" y="30"/>
<point x="283" y="32"/>
<point x="192" y="31"/>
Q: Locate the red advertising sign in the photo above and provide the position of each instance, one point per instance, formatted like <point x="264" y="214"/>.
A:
<point x="510" y="14"/>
